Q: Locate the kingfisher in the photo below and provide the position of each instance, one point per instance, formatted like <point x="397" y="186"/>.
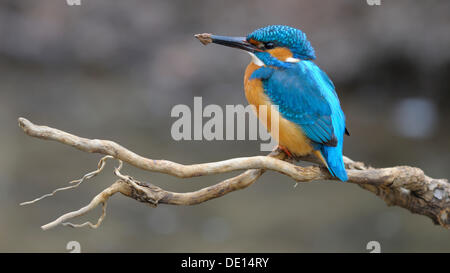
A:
<point x="282" y="73"/>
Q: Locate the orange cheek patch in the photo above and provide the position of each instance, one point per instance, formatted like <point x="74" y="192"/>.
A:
<point x="257" y="44"/>
<point x="254" y="42"/>
<point x="281" y="53"/>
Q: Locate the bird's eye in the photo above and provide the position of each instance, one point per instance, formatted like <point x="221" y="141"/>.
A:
<point x="269" y="45"/>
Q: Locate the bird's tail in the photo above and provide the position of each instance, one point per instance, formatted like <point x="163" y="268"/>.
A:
<point x="334" y="160"/>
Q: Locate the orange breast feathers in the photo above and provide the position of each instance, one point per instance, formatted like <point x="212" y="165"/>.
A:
<point x="290" y="134"/>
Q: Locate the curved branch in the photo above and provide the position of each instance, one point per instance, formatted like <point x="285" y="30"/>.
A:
<point x="403" y="186"/>
<point x="111" y="148"/>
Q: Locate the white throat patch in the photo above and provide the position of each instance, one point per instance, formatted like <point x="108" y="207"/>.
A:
<point x="256" y="60"/>
<point x="292" y="60"/>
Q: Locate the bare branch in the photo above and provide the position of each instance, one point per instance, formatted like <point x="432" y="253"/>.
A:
<point x="100" y="166"/>
<point x="101" y="198"/>
<point x="403" y="186"/>
<point x="111" y="148"/>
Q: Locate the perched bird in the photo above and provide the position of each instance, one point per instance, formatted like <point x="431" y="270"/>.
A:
<point x="282" y="73"/>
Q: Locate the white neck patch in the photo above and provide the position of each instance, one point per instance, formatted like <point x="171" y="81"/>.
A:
<point x="292" y="60"/>
<point x="256" y="60"/>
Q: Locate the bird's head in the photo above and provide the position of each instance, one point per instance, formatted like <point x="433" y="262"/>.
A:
<point x="274" y="45"/>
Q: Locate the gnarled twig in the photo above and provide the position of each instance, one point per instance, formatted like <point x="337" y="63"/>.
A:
<point x="403" y="186"/>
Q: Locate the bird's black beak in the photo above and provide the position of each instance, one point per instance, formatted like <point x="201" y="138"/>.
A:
<point x="237" y="42"/>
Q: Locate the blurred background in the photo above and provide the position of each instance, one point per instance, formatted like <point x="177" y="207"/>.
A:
<point x="114" y="70"/>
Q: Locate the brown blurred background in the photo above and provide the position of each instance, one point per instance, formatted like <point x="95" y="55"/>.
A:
<point x="114" y="69"/>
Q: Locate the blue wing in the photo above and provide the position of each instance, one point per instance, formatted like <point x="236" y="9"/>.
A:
<point x="305" y="96"/>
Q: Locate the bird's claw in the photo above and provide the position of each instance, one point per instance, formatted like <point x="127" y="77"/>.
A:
<point x="287" y="153"/>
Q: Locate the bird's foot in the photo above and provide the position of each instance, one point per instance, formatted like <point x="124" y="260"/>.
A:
<point x="287" y="153"/>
